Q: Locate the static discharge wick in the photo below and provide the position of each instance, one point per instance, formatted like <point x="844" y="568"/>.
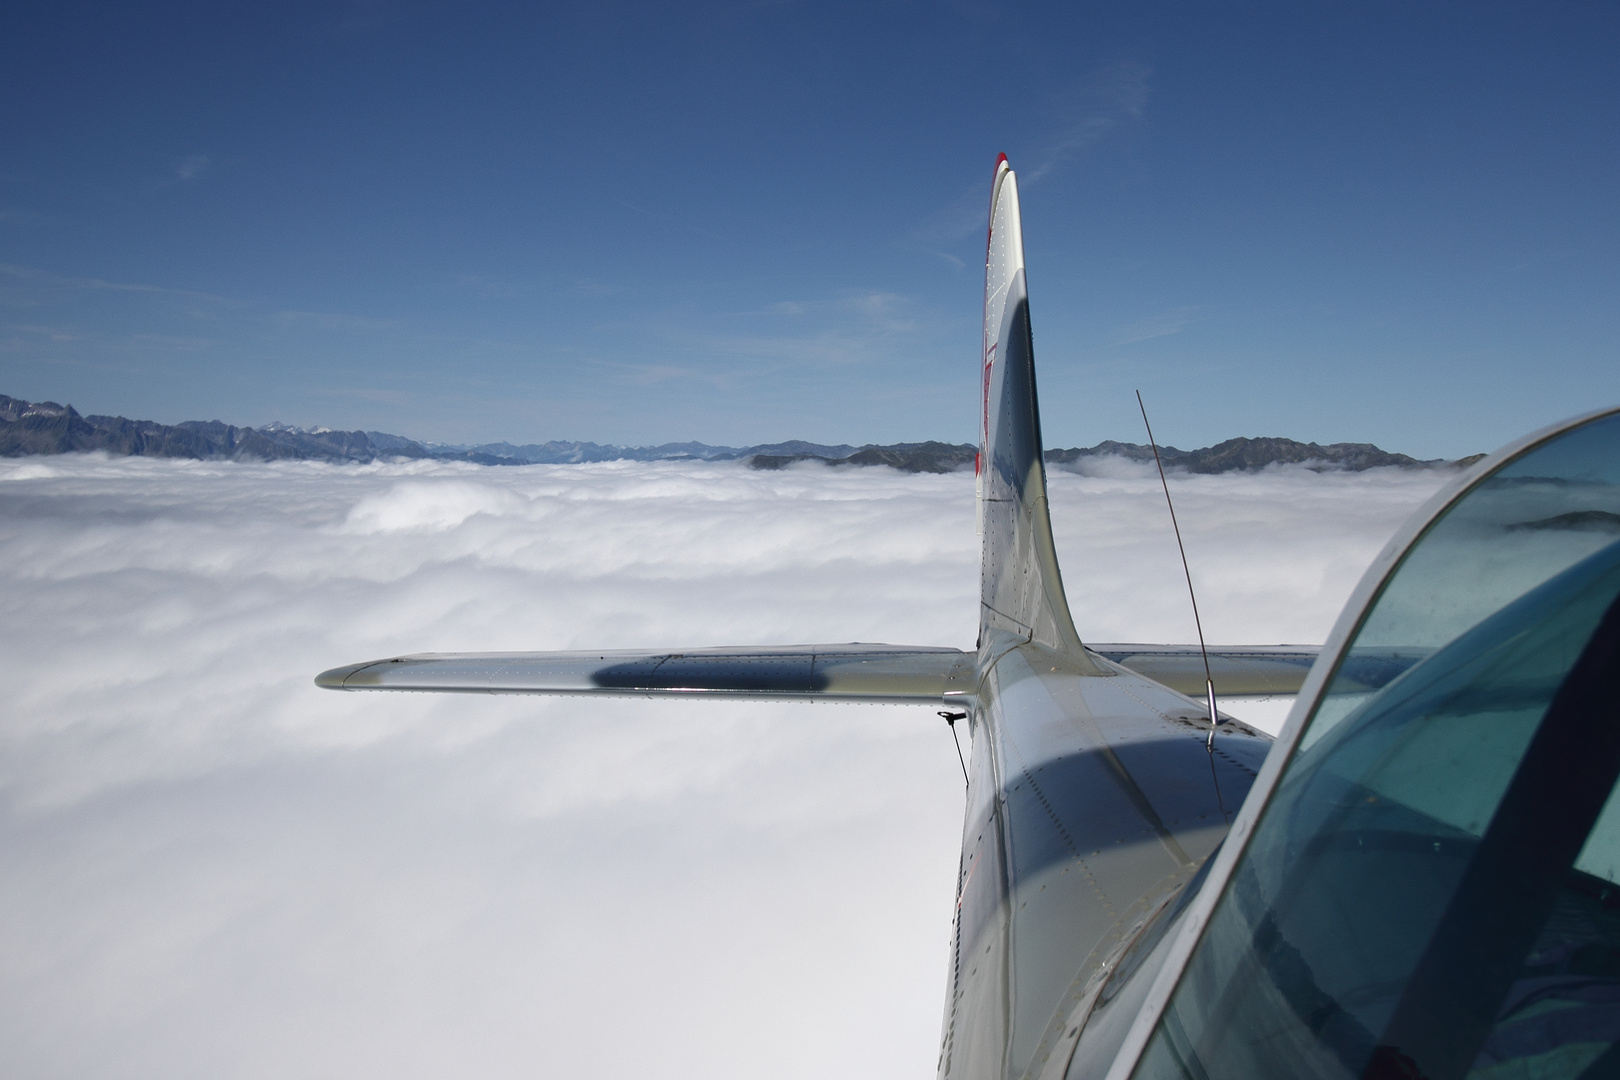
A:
<point x="1209" y="682"/>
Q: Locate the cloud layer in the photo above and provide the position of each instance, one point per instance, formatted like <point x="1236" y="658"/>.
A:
<point x="212" y="869"/>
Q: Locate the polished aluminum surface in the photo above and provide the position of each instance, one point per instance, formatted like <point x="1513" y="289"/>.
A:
<point x="854" y="672"/>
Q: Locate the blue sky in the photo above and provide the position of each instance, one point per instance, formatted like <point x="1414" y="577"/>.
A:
<point x="745" y="222"/>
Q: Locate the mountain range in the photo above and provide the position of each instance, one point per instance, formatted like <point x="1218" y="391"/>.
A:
<point x="48" y="428"/>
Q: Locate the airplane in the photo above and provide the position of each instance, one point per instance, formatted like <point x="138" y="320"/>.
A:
<point x="1418" y="877"/>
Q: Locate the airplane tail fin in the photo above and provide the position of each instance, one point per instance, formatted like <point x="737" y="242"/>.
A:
<point x="1021" y="590"/>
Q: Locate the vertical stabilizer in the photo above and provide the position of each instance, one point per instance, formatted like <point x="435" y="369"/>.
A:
<point x="1021" y="590"/>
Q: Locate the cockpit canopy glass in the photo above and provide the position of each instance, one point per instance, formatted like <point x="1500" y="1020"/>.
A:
<point x="1432" y="889"/>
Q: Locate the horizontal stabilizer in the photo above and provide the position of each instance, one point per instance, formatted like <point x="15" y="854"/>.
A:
<point x="1241" y="671"/>
<point x="854" y="672"/>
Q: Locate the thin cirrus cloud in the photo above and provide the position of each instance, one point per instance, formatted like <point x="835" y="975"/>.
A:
<point x="332" y="320"/>
<point x="868" y="327"/>
<point x="213" y="869"/>
<point x="24" y="277"/>
<point x="192" y="166"/>
<point x="1161" y="325"/>
<point x="1104" y="100"/>
<point x="1101" y="102"/>
<point x="656" y="374"/>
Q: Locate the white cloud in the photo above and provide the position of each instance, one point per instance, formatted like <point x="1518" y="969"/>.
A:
<point x="1106" y="98"/>
<point x="853" y="329"/>
<point x="329" y="320"/>
<point x="213" y="869"/>
<point x="192" y="166"/>
<point x="1161" y="325"/>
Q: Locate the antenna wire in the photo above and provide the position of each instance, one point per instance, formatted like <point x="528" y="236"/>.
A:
<point x="1209" y="681"/>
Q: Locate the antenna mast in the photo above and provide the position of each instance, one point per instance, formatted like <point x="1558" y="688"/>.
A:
<point x="1209" y="682"/>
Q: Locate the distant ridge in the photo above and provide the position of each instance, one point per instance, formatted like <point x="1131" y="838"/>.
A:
<point x="572" y="453"/>
<point x="929" y="457"/>
<point x="1246" y="455"/>
<point x="45" y="427"/>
